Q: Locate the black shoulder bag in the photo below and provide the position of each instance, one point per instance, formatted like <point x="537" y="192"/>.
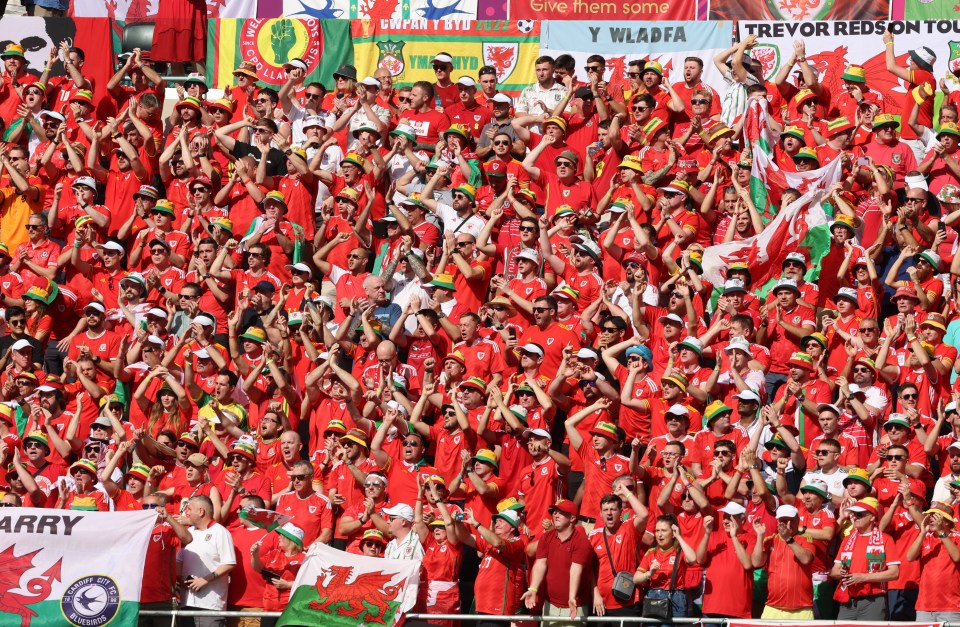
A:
<point x="662" y="609"/>
<point x="623" y="588"/>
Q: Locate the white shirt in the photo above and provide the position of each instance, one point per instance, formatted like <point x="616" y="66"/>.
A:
<point x="455" y="223"/>
<point x="211" y="548"/>
<point x="407" y="549"/>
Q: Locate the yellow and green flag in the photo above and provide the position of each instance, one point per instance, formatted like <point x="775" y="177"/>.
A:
<point x="324" y="45"/>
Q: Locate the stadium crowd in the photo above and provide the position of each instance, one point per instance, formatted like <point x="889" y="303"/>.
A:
<point x="436" y="322"/>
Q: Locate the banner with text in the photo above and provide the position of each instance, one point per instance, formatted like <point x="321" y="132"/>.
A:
<point x="667" y="42"/>
<point x="60" y="568"/>
<point x="323" y="44"/>
<point x="798" y="10"/>
<point x="381" y="9"/>
<point x="830" y="46"/>
<point x="405" y="48"/>
<point x="633" y="10"/>
<point x="146" y="10"/>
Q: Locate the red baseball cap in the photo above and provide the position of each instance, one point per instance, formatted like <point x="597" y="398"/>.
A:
<point x="567" y="507"/>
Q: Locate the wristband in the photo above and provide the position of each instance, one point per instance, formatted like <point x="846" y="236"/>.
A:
<point x="889" y="43"/>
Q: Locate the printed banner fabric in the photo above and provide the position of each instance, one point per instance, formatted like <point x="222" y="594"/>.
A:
<point x="800" y="10"/>
<point x="669" y="43"/>
<point x="800" y="623"/>
<point x="831" y="46"/>
<point x="323" y="44"/>
<point x="338" y="589"/>
<point x="146" y="10"/>
<point x="382" y="9"/>
<point x="632" y="10"/>
<point x="930" y="9"/>
<point x="60" y="568"/>
<point x="405" y="47"/>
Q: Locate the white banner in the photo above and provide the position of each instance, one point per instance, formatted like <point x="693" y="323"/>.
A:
<point x="831" y="46"/>
<point x="74" y="568"/>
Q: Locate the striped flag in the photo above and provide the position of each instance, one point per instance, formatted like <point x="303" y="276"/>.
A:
<point x="264" y="518"/>
<point x="324" y="45"/>
<point x="801" y="224"/>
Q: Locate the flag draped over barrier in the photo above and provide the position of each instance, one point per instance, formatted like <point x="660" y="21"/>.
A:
<point x="73" y="568"/>
<point x="338" y="589"/>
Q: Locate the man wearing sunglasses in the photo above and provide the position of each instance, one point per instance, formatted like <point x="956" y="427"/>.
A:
<point x="16" y="323"/>
<point x="35" y="261"/>
<point x="900" y="433"/>
<point x="310" y="510"/>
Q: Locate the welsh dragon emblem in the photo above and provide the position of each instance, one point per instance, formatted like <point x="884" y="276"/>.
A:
<point x="368" y="597"/>
<point x="14" y="568"/>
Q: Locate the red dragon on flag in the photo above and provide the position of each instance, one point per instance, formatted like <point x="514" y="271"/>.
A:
<point x="14" y="568"/>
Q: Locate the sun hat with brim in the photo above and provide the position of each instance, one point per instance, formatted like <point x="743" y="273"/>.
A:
<point x="793" y="131"/>
<point x="274" y="196"/>
<point x="854" y="74"/>
<point x="654" y="126"/>
<point x="346" y="71"/>
<point x="714" y="410"/>
<point x="606" y="430"/>
<point x="797" y="256"/>
<point x="4" y="250"/>
<point x="37" y="436"/>
<point x="567" y="293"/>
<point x="244" y="449"/>
<point x="255" y="334"/>
<point x="138" y="471"/>
<point x="372" y="535"/>
<point x="189" y="438"/>
<point x="949" y="128"/>
<point x="935" y="320"/>
<point x="801" y="360"/>
<point x="487" y="457"/>
<point x="357" y="436"/>
<point x="405" y="130"/>
<point x="443" y="280"/>
<point x="785" y="284"/>
<point x="85" y="465"/>
<point x="802" y="96"/>
<point x="678" y="379"/>
<point x="475" y="383"/>
<point x="816" y="489"/>
<point x="458" y="129"/>
<point x="165" y="206"/>
<point x="84" y="504"/>
<point x="354" y="159"/>
<point x="502" y="301"/>
<point x="456" y="356"/>
<point x="467" y="190"/>
<point x="930" y="257"/>
<point x="246" y="68"/>
<point x="693" y="344"/>
<point x="885" y="119"/>
<point x="718" y="132"/>
<point x="222" y="104"/>
<point x="191" y="103"/>
<point x="895" y="420"/>
<point x="293" y="533"/>
<point x="924" y="57"/>
<point x="631" y="163"/>
<point x="837" y="126"/>
<point x="847" y="293"/>
<point x="556" y="121"/>
<point x="944" y="510"/>
<point x="676" y="187"/>
<point x="734" y="286"/>
<point x="509" y="516"/>
<point x="12" y="50"/>
<point x="858" y="474"/>
<point x="807" y="153"/>
<point x="949" y="193"/>
<point x="829" y="407"/>
<point x="776" y="442"/>
<point x="868" y="505"/>
<point x="82" y="95"/>
<point x="818" y="337"/>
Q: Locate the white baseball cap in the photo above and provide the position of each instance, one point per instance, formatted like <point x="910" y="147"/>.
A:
<point x="787" y="511"/>
<point x="400" y="510"/>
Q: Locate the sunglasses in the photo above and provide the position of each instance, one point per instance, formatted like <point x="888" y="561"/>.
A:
<point x="641" y="108"/>
<point x="910" y="397"/>
<point x="372" y="484"/>
<point x="411" y="443"/>
<point x="822" y="452"/>
<point x="862" y="369"/>
<point x="610" y="329"/>
<point x="403" y="100"/>
<point x="896" y="458"/>
<point x="868" y="329"/>
<point x="541" y="309"/>
<point x="699" y="101"/>
<point x="593" y="68"/>
<point x="858" y="515"/>
<point x="146" y="506"/>
<point x="311" y="96"/>
<point x="157" y="251"/>
<point x="721" y="453"/>
<point x="34" y="227"/>
<point x="633" y="74"/>
<point x="501" y="142"/>
<point x="254" y="255"/>
<point x="32" y="444"/>
<point x="17" y="322"/>
<point x="564" y="164"/>
<point x="527" y="229"/>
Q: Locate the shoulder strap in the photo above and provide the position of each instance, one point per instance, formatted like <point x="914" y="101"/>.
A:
<point x="613" y="570"/>
<point x="673" y="575"/>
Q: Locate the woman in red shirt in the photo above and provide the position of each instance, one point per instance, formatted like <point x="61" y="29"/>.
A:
<point x="442" y="557"/>
<point x="279" y="566"/>
<point x="658" y="564"/>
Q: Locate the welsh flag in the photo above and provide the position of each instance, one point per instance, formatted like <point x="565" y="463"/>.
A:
<point x="264" y="518"/>
<point x="801" y="224"/>
<point x="60" y="568"/>
<point x="337" y="589"/>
